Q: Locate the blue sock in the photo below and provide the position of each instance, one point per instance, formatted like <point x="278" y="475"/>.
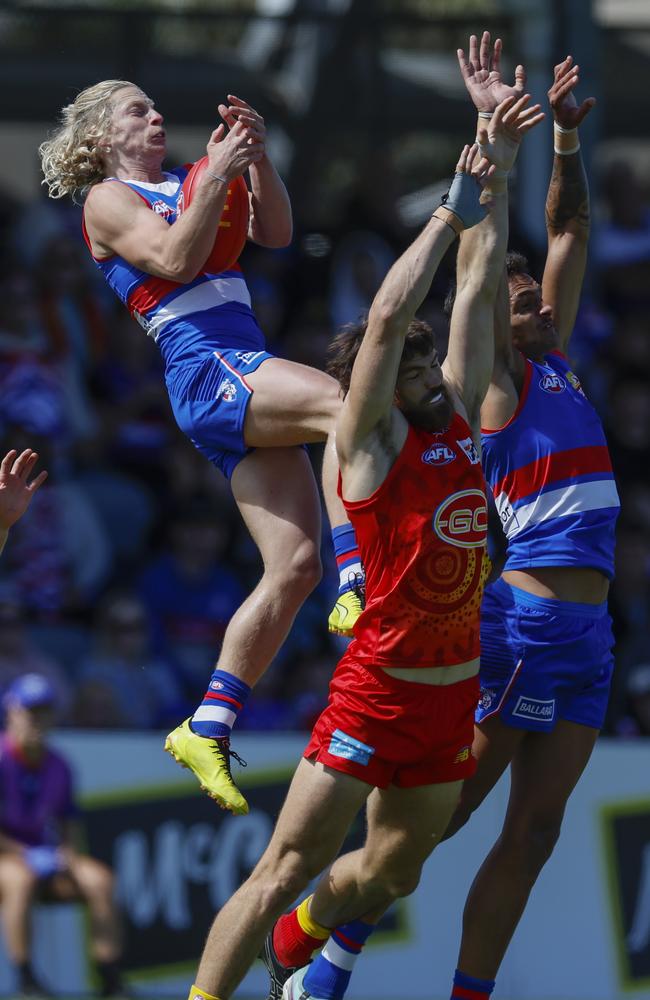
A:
<point x="348" y="559"/>
<point x="222" y="703"/>
<point x="329" y="974"/>
<point x="469" y="988"/>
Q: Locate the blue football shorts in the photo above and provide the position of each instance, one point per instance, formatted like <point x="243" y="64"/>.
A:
<point x="543" y="660"/>
<point x="209" y="401"/>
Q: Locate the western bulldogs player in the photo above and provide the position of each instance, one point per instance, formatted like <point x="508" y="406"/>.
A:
<point x="546" y="639"/>
<point x="244" y="409"/>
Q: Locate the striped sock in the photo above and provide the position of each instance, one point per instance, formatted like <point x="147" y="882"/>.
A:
<point x="296" y="936"/>
<point x="329" y="974"/>
<point x="348" y="560"/>
<point x="222" y="703"/>
<point x="469" y="988"/>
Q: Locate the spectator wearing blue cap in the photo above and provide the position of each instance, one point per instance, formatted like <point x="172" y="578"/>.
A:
<point x="38" y="856"/>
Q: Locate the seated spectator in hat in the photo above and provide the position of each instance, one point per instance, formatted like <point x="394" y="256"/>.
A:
<point x="39" y="859"/>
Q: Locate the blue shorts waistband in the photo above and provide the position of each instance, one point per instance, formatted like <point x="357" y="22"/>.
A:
<point x="554" y="607"/>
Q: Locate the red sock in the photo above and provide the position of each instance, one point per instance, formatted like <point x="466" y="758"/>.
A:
<point x="293" y="947"/>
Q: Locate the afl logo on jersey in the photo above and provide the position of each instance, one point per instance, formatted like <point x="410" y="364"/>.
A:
<point x="552" y="384"/>
<point x="439" y="454"/>
<point x="462" y="519"/>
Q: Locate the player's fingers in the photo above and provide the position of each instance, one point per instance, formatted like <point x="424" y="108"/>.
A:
<point x="219" y="134"/>
<point x="482" y="135"/>
<point x="584" y="109"/>
<point x="525" y="126"/>
<point x="239" y="101"/>
<point x="465" y="67"/>
<point x="462" y="160"/>
<point x="564" y="67"/>
<point x="501" y="110"/>
<point x="484" y="51"/>
<point x="520" y="78"/>
<point x="473" y="52"/>
<point x="24" y="462"/>
<point x="511" y="114"/>
<point x="496" y="55"/>
<point x="7" y="462"/>
<point x="35" y="483"/>
<point x="481" y="167"/>
<point x="471" y="158"/>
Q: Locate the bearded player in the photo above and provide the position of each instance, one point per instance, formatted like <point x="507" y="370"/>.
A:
<point x="399" y="722"/>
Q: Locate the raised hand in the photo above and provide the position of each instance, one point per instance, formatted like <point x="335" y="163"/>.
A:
<point x="500" y="138"/>
<point x="566" y="110"/>
<point x="482" y="74"/>
<point x="15" y="491"/>
<point x="231" y="153"/>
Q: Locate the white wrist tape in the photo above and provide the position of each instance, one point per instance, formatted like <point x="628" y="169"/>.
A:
<point x="565" y="140"/>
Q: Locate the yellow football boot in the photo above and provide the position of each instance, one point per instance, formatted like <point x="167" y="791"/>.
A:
<point x="345" y="612"/>
<point x="210" y="761"/>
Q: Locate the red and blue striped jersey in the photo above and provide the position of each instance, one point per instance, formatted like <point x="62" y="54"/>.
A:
<point x="551" y="474"/>
<point x="209" y="313"/>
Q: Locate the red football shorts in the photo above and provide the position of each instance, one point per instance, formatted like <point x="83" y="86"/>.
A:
<point x="387" y="731"/>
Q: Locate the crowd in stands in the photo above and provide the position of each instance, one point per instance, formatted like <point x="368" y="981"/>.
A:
<point x="119" y="581"/>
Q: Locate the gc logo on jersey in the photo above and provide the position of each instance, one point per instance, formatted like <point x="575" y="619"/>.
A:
<point x="552" y="383"/>
<point x="438" y="454"/>
<point x="461" y="519"/>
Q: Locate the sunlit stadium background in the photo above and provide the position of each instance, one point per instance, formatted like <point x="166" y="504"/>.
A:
<point x="120" y="580"/>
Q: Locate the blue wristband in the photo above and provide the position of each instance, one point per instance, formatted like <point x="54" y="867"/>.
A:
<point x="463" y="199"/>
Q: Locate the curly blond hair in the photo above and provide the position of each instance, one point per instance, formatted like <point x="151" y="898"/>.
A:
<point x="70" y="158"/>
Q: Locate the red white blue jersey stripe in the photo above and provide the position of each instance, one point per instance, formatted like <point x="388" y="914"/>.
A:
<point x="551" y="474"/>
<point x="208" y="314"/>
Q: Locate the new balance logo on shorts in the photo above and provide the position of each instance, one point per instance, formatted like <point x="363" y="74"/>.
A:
<point x="462" y="755"/>
<point x="534" y="708"/>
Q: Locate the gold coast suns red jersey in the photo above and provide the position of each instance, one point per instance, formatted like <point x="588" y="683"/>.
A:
<point x="422" y="537"/>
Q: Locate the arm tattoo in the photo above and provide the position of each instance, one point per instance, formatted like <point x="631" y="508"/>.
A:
<point x="567" y="201"/>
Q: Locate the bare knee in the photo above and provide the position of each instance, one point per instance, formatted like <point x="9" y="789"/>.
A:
<point x="16" y="877"/>
<point x="97" y="883"/>
<point x="532" y="842"/>
<point x="278" y="880"/>
<point x="392" y="878"/>
<point x="301" y="570"/>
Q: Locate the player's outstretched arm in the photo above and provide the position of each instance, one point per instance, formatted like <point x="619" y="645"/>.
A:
<point x="567" y="203"/>
<point x="470" y="358"/>
<point x="369" y="402"/>
<point x="16" y="491"/>
<point x="271" y="223"/>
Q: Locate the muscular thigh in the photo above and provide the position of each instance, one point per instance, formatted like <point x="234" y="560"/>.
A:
<point x="544" y="772"/>
<point x="291" y="404"/>
<point x="277" y="496"/>
<point x="409" y="822"/>
<point x="319" y="808"/>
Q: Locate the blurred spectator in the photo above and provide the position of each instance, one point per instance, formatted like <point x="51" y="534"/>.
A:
<point x="191" y="589"/>
<point x="360" y="263"/>
<point x="19" y="655"/>
<point x="636" y="719"/>
<point x="60" y="554"/>
<point x="39" y="859"/>
<point x="139" y="690"/>
<point x="135" y="418"/>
